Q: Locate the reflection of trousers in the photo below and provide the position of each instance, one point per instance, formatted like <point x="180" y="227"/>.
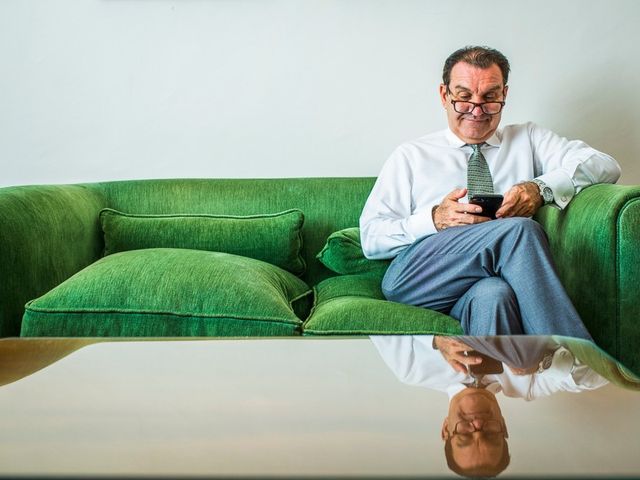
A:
<point x="496" y="278"/>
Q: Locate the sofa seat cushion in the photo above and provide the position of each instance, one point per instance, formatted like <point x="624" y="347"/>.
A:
<point x="355" y="305"/>
<point x="275" y="238"/>
<point x="172" y="292"/>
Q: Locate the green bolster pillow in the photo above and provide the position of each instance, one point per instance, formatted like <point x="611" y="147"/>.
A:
<point x="343" y="254"/>
<point x="273" y="238"/>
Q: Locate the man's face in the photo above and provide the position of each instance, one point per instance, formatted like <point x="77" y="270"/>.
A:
<point x="478" y="449"/>
<point x="476" y="85"/>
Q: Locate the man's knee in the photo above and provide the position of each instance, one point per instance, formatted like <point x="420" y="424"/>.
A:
<point x="390" y="286"/>
<point x="492" y="290"/>
<point x="388" y="290"/>
<point x="523" y="225"/>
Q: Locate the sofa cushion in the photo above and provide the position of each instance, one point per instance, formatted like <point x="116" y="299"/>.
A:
<point x="343" y="254"/>
<point x="172" y="292"/>
<point x="354" y="305"/>
<point x="274" y="238"/>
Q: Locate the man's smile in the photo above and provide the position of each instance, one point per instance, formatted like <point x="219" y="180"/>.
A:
<point x="476" y="119"/>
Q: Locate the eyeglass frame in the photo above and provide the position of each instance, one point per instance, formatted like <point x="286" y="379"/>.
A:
<point x="476" y="429"/>
<point x="481" y="105"/>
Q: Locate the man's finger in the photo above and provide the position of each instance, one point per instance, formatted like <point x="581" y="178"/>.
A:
<point x="470" y="219"/>
<point x="468" y="208"/>
<point x="456" y="194"/>
<point x="457" y="366"/>
<point x="467" y="359"/>
<point x="507" y="207"/>
<point x="504" y="211"/>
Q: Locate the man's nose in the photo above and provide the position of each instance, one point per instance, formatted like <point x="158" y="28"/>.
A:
<point x="477" y="111"/>
<point x="478" y="422"/>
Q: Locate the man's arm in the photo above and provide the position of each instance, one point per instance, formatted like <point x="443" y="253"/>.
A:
<point x="565" y="166"/>
<point x="390" y="222"/>
<point x="387" y="223"/>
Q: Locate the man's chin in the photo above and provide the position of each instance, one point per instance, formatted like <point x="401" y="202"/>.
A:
<point x="476" y="133"/>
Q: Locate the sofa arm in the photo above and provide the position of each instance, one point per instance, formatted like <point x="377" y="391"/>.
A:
<point x="47" y="233"/>
<point x="595" y="244"/>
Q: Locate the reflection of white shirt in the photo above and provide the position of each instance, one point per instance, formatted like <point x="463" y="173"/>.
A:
<point x="419" y="174"/>
<point x="414" y="361"/>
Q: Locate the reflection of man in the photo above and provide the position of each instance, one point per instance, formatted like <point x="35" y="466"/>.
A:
<point x="474" y="430"/>
<point x="495" y="277"/>
<point x="475" y="434"/>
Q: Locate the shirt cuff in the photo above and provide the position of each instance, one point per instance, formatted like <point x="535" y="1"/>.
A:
<point x="561" y="185"/>
<point x="420" y="225"/>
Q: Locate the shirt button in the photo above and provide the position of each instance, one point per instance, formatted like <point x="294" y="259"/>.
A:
<point x="563" y="198"/>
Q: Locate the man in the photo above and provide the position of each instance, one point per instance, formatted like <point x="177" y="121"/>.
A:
<point x="475" y="434"/>
<point x="474" y="430"/>
<point x="495" y="277"/>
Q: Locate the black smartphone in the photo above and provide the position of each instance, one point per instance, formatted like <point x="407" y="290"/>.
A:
<point x="488" y="365"/>
<point x="490" y="203"/>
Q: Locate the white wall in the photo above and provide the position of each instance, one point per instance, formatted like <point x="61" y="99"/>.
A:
<point x="116" y="89"/>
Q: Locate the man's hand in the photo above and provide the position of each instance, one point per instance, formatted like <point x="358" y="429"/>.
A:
<point x="522" y="200"/>
<point x="451" y="213"/>
<point x="454" y="352"/>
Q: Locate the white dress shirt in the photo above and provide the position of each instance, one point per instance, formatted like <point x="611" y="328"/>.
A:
<point x="419" y="174"/>
<point x="414" y="362"/>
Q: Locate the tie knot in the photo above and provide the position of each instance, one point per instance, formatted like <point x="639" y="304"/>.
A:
<point x="476" y="146"/>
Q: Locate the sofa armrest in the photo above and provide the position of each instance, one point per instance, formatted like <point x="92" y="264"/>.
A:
<point x="595" y="246"/>
<point x="47" y="233"/>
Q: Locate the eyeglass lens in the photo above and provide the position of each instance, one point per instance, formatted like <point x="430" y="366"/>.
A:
<point x="489" y="108"/>
<point x="491" y="426"/>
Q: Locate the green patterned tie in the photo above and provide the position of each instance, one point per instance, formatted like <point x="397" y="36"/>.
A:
<point x="478" y="174"/>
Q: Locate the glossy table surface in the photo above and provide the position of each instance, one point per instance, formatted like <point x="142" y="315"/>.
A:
<point x="274" y="407"/>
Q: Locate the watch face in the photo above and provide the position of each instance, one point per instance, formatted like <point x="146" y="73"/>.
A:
<point x="545" y="192"/>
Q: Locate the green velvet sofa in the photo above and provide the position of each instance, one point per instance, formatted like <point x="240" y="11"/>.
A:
<point x="250" y="257"/>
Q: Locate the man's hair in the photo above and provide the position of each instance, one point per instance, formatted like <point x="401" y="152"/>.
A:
<point x="481" y="471"/>
<point x="481" y="57"/>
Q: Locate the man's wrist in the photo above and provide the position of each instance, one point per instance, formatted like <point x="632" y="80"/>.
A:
<point x="433" y="217"/>
<point x="545" y="191"/>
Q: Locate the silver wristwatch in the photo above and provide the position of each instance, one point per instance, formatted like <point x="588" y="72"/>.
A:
<point x="545" y="191"/>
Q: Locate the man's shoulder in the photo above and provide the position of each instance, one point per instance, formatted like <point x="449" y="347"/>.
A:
<point x="446" y="138"/>
<point x="526" y="128"/>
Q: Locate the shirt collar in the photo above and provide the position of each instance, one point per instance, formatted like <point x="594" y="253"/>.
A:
<point x="494" y="140"/>
<point x="493" y="386"/>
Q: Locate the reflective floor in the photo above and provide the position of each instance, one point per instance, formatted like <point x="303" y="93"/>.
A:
<point x="385" y="406"/>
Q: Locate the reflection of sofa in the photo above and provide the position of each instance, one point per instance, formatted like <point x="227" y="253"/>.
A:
<point x="222" y="282"/>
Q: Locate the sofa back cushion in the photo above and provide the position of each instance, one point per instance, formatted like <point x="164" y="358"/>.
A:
<point x="274" y="238"/>
<point x="329" y="204"/>
<point x="343" y="254"/>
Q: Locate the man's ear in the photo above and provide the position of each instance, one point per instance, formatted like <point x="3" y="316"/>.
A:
<point x="505" y="91"/>
<point x="444" y="433"/>
<point x="443" y="94"/>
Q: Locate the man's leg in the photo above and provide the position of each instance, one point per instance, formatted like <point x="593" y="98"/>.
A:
<point x="489" y="307"/>
<point x="438" y="270"/>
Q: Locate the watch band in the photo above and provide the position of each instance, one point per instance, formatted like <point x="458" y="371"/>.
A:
<point x="545" y="191"/>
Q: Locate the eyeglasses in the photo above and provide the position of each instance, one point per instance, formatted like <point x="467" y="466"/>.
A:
<point x="488" y="108"/>
<point x="465" y="427"/>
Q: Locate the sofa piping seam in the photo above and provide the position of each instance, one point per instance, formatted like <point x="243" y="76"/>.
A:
<point x="618" y="268"/>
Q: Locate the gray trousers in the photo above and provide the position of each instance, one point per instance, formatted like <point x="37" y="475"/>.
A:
<point x="496" y="278"/>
